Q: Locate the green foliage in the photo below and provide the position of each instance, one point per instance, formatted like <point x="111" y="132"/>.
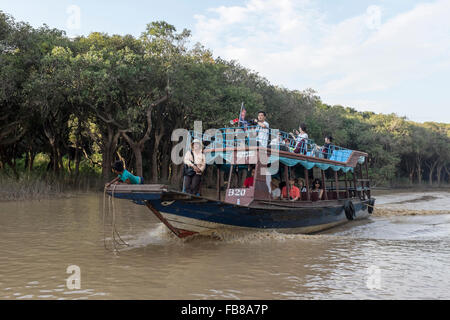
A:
<point x="93" y="99"/>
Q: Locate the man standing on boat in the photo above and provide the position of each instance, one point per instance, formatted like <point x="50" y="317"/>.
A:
<point x="263" y="129"/>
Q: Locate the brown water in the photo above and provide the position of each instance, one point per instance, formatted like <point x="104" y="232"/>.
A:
<point x="388" y="256"/>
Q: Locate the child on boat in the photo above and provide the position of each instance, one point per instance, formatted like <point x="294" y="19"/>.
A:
<point x="123" y="175"/>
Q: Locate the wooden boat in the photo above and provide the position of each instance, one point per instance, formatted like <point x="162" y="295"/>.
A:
<point x="344" y="199"/>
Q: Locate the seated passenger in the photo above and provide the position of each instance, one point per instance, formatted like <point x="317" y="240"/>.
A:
<point x="294" y="193"/>
<point x="279" y="143"/>
<point x="301" y="185"/>
<point x="276" y="192"/>
<point x="301" y="138"/>
<point x="317" y="187"/>
<point x="325" y="150"/>
<point x="250" y="180"/>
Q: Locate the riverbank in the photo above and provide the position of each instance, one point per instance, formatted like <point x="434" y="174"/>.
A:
<point x="411" y="202"/>
<point x="38" y="187"/>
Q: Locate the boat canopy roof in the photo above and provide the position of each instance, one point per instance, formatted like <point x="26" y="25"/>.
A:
<point x="225" y="158"/>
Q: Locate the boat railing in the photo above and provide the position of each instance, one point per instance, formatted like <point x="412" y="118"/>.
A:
<point x="271" y="138"/>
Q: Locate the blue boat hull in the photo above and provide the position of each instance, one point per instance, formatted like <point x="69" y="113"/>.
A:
<point x="208" y="216"/>
<point x="186" y="215"/>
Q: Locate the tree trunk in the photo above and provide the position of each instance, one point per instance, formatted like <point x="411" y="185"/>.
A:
<point x="138" y="159"/>
<point x="439" y="173"/>
<point x="448" y="173"/>
<point x="419" y="170"/>
<point x="109" y="147"/>
<point x="77" y="163"/>
<point x="30" y="164"/>
<point x="27" y="160"/>
<point x="155" y="165"/>
<point x="165" y="162"/>
<point x="431" y="167"/>
<point x="155" y="154"/>
<point x="78" y="146"/>
<point x="55" y="160"/>
<point x="419" y="174"/>
<point x="106" y="164"/>
<point x="411" y="177"/>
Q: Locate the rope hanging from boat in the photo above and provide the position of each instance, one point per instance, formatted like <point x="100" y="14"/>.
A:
<point x="119" y="241"/>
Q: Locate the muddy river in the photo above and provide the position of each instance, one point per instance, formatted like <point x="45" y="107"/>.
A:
<point x="55" y="249"/>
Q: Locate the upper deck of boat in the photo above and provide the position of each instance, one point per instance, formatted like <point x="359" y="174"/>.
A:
<point x="233" y="141"/>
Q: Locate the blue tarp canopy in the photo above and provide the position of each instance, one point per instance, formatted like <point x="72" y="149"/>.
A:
<point x="224" y="158"/>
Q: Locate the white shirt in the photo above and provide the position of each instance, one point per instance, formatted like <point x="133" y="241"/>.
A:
<point x="301" y="136"/>
<point x="263" y="134"/>
<point x="199" y="159"/>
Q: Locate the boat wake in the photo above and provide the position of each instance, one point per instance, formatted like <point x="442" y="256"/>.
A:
<point x="159" y="235"/>
<point x="245" y="237"/>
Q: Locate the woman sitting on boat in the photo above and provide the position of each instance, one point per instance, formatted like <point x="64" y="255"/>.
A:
<point x="317" y="188"/>
<point x="195" y="164"/>
<point x="301" y="138"/>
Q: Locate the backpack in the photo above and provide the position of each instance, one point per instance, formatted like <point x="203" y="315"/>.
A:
<point x="187" y="170"/>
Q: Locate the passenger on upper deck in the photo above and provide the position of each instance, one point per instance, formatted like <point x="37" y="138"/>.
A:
<point x="301" y="138"/>
<point x="325" y="150"/>
<point x="279" y="143"/>
<point x="317" y="187"/>
<point x="294" y="192"/>
<point x="263" y="129"/>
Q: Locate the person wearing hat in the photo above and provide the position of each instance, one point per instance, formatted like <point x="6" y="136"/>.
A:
<point x="123" y="175"/>
<point x="194" y="165"/>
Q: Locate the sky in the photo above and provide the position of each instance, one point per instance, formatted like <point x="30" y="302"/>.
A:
<point x="372" y="55"/>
